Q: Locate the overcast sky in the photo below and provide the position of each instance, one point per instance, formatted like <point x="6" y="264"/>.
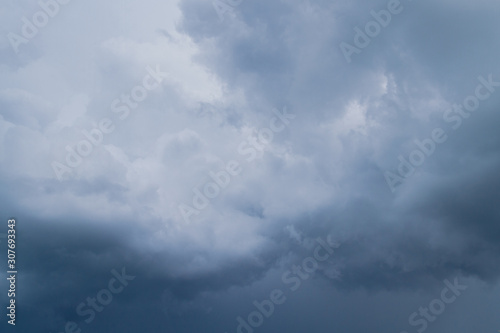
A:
<point x="201" y="156"/>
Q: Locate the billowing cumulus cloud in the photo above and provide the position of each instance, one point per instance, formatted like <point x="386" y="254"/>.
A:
<point x="216" y="151"/>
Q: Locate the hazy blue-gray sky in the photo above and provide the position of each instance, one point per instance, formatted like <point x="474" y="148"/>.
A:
<point x="338" y="107"/>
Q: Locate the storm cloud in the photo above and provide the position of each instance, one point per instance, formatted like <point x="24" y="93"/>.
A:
<point x="115" y="116"/>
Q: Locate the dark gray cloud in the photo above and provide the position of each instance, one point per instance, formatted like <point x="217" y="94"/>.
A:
<point x="322" y="176"/>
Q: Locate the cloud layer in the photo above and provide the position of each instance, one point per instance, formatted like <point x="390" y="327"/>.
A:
<point x="224" y="75"/>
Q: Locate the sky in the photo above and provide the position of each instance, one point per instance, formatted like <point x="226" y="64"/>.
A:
<point x="251" y="166"/>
